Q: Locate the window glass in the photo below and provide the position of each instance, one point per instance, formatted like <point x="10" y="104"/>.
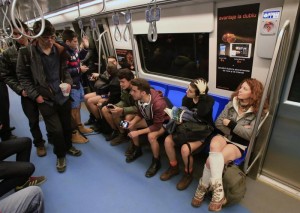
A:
<point x="181" y="55"/>
<point x="294" y="94"/>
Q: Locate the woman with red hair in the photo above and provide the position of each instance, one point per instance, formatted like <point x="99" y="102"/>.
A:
<point x="236" y="122"/>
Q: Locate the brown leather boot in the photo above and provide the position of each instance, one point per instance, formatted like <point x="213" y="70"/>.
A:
<point x="185" y="181"/>
<point x="41" y="151"/>
<point x="171" y="171"/>
<point x="78" y="138"/>
<point x="84" y="130"/>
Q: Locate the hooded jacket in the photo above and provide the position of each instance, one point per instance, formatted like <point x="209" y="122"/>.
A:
<point x="157" y="113"/>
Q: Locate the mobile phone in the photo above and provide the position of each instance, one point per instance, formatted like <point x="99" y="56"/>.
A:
<point x="124" y="124"/>
<point x="110" y="106"/>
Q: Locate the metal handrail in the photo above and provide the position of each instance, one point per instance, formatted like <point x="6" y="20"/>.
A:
<point x="280" y="47"/>
<point x="99" y="49"/>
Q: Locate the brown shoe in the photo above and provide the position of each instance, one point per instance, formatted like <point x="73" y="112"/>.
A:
<point x="199" y="195"/>
<point x="130" y="149"/>
<point x="121" y="138"/>
<point x="171" y="171"/>
<point x="78" y="138"/>
<point x="184" y="181"/>
<point x="41" y="151"/>
<point x="216" y="206"/>
<point x="84" y="130"/>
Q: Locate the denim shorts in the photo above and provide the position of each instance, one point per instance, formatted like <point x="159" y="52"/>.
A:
<point x="77" y="96"/>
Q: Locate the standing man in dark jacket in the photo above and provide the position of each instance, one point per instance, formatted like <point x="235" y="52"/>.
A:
<point x="41" y="68"/>
<point x="8" y="73"/>
<point x="149" y="120"/>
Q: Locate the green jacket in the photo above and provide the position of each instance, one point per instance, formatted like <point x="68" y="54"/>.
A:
<point x="127" y="103"/>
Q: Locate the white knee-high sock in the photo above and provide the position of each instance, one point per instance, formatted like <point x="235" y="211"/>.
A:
<point x="216" y="162"/>
<point x="205" y="177"/>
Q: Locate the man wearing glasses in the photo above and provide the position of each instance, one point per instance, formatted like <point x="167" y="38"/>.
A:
<point x="41" y="68"/>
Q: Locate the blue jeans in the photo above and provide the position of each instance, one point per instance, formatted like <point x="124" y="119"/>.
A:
<point x="26" y="200"/>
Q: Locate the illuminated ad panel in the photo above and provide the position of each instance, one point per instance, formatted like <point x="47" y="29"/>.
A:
<point x="235" y="42"/>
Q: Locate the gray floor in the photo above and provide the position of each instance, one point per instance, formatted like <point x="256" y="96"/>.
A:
<point x="261" y="198"/>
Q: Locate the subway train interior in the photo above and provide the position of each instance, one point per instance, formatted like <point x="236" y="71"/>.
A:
<point x="169" y="43"/>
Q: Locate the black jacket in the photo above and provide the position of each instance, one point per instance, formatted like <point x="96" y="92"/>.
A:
<point x="31" y="73"/>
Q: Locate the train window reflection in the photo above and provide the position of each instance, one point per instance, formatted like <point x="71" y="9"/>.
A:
<point x="180" y="55"/>
<point x="294" y="94"/>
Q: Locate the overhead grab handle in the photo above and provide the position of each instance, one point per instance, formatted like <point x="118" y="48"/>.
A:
<point x="128" y="18"/>
<point x="13" y="19"/>
<point x="95" y="29"/>
<point x="152" y="15"/>
<point x="116" y="22"/>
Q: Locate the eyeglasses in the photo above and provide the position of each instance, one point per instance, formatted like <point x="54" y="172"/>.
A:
<point x="48" y="37"/>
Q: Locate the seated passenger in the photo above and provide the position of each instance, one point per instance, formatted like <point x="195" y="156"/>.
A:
<point x="201" y="105"/>
<point x="236" y="122"/>
<point x="70" y="40"/>
<point x="17" y="175"/>
<point x="112" y="97"/>
<point x="124" y="108"/>
<point x="91" y="99"/>
<point x="149" y="120"/>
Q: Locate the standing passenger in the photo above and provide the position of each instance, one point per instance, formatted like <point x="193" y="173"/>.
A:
<point x="8" y="73"/>
<point x="70" y="40"/>
<point x="236" y="123"/>
<point x="150" y="119"/>
<point x="41" y="67"/>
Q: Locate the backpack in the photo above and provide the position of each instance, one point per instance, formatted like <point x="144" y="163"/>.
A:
<point x="234" y="183"/>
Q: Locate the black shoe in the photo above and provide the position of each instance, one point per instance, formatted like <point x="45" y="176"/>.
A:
<point x="154" y="167"/>
<point x="136" y="153"/>
<point x="12" y="128"/>
<point x="130" y="149"/>
<point x="96" y="127"/>
<point x="113" y="135"/>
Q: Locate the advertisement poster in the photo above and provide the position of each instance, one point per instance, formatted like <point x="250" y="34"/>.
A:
<point x="125" y="59"/>
<point x="235" y="42"/>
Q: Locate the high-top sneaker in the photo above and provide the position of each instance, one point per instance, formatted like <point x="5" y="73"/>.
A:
<point x="199" y="194"/>
<point x="218" y="197"/>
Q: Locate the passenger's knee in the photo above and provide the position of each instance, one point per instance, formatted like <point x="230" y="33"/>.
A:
<point x="152" y="138"/>
<point x="215" y="144"/>
<point x="185" y="151"/>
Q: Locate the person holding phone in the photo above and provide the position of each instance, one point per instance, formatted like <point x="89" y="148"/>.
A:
<point x="125" y="109"/>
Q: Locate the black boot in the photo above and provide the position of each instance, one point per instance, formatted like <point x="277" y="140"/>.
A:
<point x="135" y="154"/>
<point x="154" y="167"/>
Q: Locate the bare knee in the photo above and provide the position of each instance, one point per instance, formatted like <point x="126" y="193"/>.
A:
<point x="216" y="144"/>
<point x="152" y="138"/>
<point x="185" y="151"/>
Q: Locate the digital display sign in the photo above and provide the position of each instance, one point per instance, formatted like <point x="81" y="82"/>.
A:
<point x="271" y="14"/>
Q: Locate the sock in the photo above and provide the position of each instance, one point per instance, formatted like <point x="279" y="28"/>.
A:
<point x="173" y="163"/>
<point x="216" y="161"/>
<point x="205" y="177"/>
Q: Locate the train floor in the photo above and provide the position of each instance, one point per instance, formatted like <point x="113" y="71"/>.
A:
<point x="101" y="181"/>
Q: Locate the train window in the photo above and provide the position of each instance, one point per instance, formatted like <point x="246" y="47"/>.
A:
<point x="294" y="94"/>
<point x="181" y="55"/>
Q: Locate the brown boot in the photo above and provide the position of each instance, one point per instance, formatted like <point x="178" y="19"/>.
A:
<point x="185" y="181"/>
<point x="218" y="197"/>
<point x="199" y="195"/>
<point x="171" y="171"/>
<point x="78" y="138"/>
<point x="41" y="151"/>
<point x="84" y="130"/>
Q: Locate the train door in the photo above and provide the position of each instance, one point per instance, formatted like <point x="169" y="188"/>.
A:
<point x="282" y="160"/>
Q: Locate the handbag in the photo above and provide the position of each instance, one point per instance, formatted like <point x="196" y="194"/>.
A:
<point x="234" y="183"/>
<point x="191" y="131"/>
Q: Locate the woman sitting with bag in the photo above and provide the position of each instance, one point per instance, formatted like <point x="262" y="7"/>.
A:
<point x="236" y="122"/>
<point x="191" y="133"/>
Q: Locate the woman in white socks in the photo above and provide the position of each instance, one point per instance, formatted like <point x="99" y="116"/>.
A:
<point x="236" y="122"/>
